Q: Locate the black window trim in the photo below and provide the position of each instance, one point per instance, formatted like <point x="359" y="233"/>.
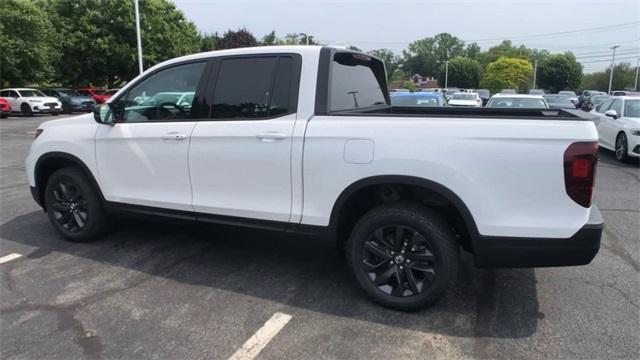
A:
<point x="197" y="97"/>
<point x="212" y="82"/>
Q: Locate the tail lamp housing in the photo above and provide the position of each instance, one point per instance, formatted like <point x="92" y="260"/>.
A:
<point x="580" y="160"/>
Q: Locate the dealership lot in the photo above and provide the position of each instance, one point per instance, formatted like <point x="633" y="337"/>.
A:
<point x="153" y="289"/>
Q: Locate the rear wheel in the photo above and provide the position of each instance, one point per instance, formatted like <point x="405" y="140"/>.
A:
<point x="403" y="255"/>
<point x="74" y="206"/>
<point x="26" y="110"/>
<point x="621" y="147"/>
<point x="66" y="109"/>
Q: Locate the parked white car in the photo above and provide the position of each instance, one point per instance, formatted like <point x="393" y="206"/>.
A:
<point x="466" y="99"/>
<point x="518" y="101"/>
<point x="571" y="94"/>
<point x="31" y="101"/>
<point x="618" y="125"/>
<point x="305" y="139"/>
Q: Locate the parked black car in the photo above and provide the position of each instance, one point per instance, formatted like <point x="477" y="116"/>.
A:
<point x="71" y="100"/>
<point x="485" y="95"/>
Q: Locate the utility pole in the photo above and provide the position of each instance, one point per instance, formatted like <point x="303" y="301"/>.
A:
<point x="613" y="58"/>
<point x="635" y="86"/>
<point x="446" y="74"/>
<point x="138" y="36"/>
<point x="306" y="38"/>
<point x="535" y="72"/>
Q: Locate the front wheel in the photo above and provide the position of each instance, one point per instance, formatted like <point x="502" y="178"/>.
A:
<point x="403" y="255"/>
<point x="26" y="110"/>
<point x="74" y="206"/>
<point x="621" y="148"/>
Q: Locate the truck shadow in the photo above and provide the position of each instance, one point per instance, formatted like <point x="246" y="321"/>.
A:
<point x="306" y="273"/>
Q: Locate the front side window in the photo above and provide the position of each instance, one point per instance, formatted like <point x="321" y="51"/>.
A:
<point x="632" y="108"/>
<point x="167" y="95"/>
<point x="356" y="82"/>
<point x="617" y="106"/>
<point x="253" y="88"/>
<point x="31" y="93"/>
<point x="604" y="106"/>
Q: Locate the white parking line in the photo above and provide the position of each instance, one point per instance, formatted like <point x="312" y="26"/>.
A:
<point x="261" y="338"/>
<point x="7" y="258"/>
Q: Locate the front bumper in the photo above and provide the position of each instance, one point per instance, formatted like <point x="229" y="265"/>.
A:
<point x="46" y="110"/>
<point x="515" y="252"/>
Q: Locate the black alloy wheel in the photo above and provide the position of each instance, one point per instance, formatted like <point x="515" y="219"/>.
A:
<point x="403" y="255"/>
<point x="70" y="207"/>
<point x="621" y="148"/>
<point x="398" y="260"/>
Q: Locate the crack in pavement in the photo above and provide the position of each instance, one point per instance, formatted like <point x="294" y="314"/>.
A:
<point x="618" y="249"/>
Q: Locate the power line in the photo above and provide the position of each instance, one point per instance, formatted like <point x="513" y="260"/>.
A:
<point x="631" y="52"/>
<point x="599" y="28"/>
<point x="609" y="60"/>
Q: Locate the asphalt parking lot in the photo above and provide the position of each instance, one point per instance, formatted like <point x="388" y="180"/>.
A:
<point x="174" y="291"/>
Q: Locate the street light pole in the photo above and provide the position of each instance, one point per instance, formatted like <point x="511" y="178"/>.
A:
<point x="613" y="58"/>
<point x="446" y="74"/>
<point x="535" y="72"/>
<point x="138" y="36"/>
<point x="635" y="86"/>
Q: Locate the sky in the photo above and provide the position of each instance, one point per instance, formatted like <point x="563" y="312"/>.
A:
<point x="587" y="28"/>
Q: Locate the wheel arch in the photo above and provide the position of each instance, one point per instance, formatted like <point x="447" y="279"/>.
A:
<point x="432" y="191"/>
<point x="50" y="162"/>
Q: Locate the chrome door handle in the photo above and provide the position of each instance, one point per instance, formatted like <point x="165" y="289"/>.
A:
<point x="271" y="136"/>
<point x="174" y="136"/>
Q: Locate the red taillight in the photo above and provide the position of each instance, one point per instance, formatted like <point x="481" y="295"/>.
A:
<point x="580" y="161"/>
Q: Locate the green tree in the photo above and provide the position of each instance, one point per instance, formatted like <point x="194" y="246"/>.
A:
<point x="237" y="39"/>
<point x="391" y="61"/>
<point x="472" y="51"/>
<point x="270" y="39"/>
<point x="27" y="44"/>
<point x="425" y="56"/>
<point x="623" y="77"/>
<point x="99" y="38"/>
<point x="463" y="73"/>
<point x="504" y="73"/>
<point x="209" y="42"/>
<point x="559" y="72"/>
<point x="354" y="48"/>
<point x="410" y="85"/>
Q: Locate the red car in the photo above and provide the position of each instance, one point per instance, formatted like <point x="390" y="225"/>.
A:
<point x="5" y="108"/>
<point x="99" y="95"/>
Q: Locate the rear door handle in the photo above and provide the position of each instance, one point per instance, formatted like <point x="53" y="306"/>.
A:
<point x="175" y="136"/>
<point x="271" y="136"/>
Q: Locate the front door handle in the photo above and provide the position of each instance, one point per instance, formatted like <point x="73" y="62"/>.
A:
<point x="175" y="136"/>
<point x="271" y="136"/>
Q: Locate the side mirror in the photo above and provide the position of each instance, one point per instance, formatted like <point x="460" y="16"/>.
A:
<point x="103" y="114"/>
<point x="611" y="113"/>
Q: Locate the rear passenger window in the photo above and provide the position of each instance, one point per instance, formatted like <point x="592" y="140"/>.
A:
<point x="253" y="88"/>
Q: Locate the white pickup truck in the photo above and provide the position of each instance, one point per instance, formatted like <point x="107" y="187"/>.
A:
<point x="304" y="140"/>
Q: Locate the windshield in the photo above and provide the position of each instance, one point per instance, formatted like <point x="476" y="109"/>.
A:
<point x="598" y="99"/>
<point x="483" y="93"/>
<point x="31" y="93"/>
<point x="509" y="102"/>
<point x="632" y="108"/>
<point x="508" y="91"/>
<point x="68" y="92"/>
<point x="451" y="92"/>
<point x="464" y="97"/>
<point x="558" y="99"/>
<point x="568" y="93"/>
<point x="415" y="101"/>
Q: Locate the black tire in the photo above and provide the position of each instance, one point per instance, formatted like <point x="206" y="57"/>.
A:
<point x="26" y="110"/>
<point x="55" y="113"/>
<point x="74" y="206"/>
<point x="425" y="261"/>
<point x="4" y="116"/>
<point x="66" y="109"/>
<point x="621" y="150"/>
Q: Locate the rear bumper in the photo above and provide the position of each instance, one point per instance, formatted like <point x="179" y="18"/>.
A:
<point x="508" y="252"/>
